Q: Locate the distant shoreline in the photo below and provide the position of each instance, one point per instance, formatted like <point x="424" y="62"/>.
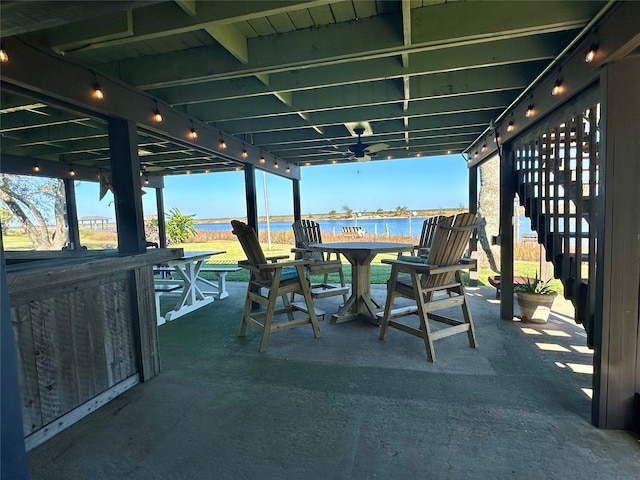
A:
<point x="338" y="216"/>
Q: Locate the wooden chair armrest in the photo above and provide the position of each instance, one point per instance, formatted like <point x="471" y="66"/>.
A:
<point x="275" y="258"/>
<point x="300" y="250"/>
<point x="425" y="267"/>
<point x="291" y="263"/>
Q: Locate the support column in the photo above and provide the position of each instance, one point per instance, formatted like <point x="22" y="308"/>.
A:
<point x="13" y="457"/>
<point x="251" y="197"/>
<point x="616" y="337"/>
<point x="162" y="228"/>
<point x="507" y="195"/>
<point x="473" y="208"/>
<point x="127" y="191"/>
<point x="72" y="213"/>
<point x="297" y="210"/>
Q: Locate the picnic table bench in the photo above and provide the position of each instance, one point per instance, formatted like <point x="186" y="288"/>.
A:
<point x="216" y="287"/>
<point x="353" y="231"/>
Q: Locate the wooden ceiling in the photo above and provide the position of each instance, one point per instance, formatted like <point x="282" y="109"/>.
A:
<point x="291" y="78"/>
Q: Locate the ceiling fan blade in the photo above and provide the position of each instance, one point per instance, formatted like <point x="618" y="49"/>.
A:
<point x="376" y="147"/>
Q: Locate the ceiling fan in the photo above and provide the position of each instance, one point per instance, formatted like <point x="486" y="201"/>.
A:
<point x="362" y="152"/>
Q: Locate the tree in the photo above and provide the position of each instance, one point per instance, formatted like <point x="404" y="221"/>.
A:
<point x="489" y="214"/>
<point x="400" y="210"/>
<point x="348" y="212"/>
<point x="31" y="200"/>
<point x="332" y="214"/>
<point x="5" y="217"/>
<point x="179" y="226"/>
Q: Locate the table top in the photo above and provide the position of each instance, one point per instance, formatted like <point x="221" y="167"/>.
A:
<point x="195" y="256"/>
<point x="378" y="247"/>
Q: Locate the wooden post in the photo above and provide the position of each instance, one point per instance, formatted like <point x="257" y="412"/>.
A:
<point x="616" y="321"/>
<point x="13" y="459"/>
<point x="507" y="194"/>
<point x="127" y="191"/>
<point x="473" y="208"/>
<point x="72" y="213"/>
<point x="162" y="228"/>
<point x="297" y="210"/>
<point x="251" y="197"/>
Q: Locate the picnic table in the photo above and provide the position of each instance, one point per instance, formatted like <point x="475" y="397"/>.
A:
<point x="186" y="279"/>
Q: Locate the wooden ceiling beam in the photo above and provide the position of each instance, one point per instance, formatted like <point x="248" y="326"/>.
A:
<point x="502" y="52"/>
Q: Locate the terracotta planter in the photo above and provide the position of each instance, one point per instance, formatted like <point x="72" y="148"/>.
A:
<point x="535" y="307"/>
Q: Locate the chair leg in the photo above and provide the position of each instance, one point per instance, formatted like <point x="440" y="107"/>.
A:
<point x="268" y="320"/>
<point x="342" y="284"/>
<point x="312" y="311"/>
<point x="466" y="312"/>
<point x="421" y="302"/>
<point x="287" y="305"/>
<point x="391" y="285"/>
<point x="245" y="312"/>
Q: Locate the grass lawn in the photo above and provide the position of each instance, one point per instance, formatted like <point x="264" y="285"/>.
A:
<point x="234" y="253"/>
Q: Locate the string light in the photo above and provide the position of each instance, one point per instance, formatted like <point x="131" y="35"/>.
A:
<point x="557" y="85"/>
<point x="275" y="165"/>
<point x="484" y="147"/>
<point x="4" y="57"/>
<point x="244" y="153"/>
<point x="593" y="50"/>
<point x="98" y="93"/>
<point x="192" y="132"/>
<point x="262" y="159"/>
<point x="511" y="126"/>
<point x="475" y="154"/>
<point x="157" y="116"/>
<point x="287" y="169"/>
<point x="36" y="168"/>
<point x="222" y="144"/>
<point x="308" y="164"/>
<point x="72" y="172"/>
<point x="146" y="180"/>
<point x="530" y="111"/>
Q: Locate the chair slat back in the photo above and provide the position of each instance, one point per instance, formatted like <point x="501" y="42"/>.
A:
<point x="307" y="232"/>
<point x="428" y="231"/>
<point x="450" y="241"/>
<point x="251" y="245"/>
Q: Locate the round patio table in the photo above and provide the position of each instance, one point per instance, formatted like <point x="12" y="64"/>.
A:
<point x="360" y="254"/>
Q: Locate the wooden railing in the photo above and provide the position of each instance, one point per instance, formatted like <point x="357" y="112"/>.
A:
<point x="557" y="182"/>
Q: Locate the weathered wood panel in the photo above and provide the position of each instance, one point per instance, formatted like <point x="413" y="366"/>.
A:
<point x="148" y="328"/>
<point x="27" y="372"/>
<point x="87" y="331"/>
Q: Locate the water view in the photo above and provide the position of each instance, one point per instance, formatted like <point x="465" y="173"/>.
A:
<point x="373" y="226"/>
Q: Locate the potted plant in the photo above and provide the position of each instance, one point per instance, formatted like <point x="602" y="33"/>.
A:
<point x="535" y="299"/>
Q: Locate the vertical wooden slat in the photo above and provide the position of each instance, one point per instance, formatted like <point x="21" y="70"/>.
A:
<point x="566" y="207"/>
<point x="593" y="173"/>
<point x="51" y="359"/>
<point x="109" y="292"/>
<point x="27" y="371"/>
<point x="557" y="182"/>
<point x="96" y="326"/>
<point x="125" y="347"/>
<point x="81" y="314"/>
<point x="150" y="353"/>
<point x="578" y="202"/>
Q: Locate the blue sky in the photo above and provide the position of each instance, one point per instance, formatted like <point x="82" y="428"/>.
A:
<point x="415" y="183"/>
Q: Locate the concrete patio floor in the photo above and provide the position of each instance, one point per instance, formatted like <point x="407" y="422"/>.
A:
<point x="347" y="406"/>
